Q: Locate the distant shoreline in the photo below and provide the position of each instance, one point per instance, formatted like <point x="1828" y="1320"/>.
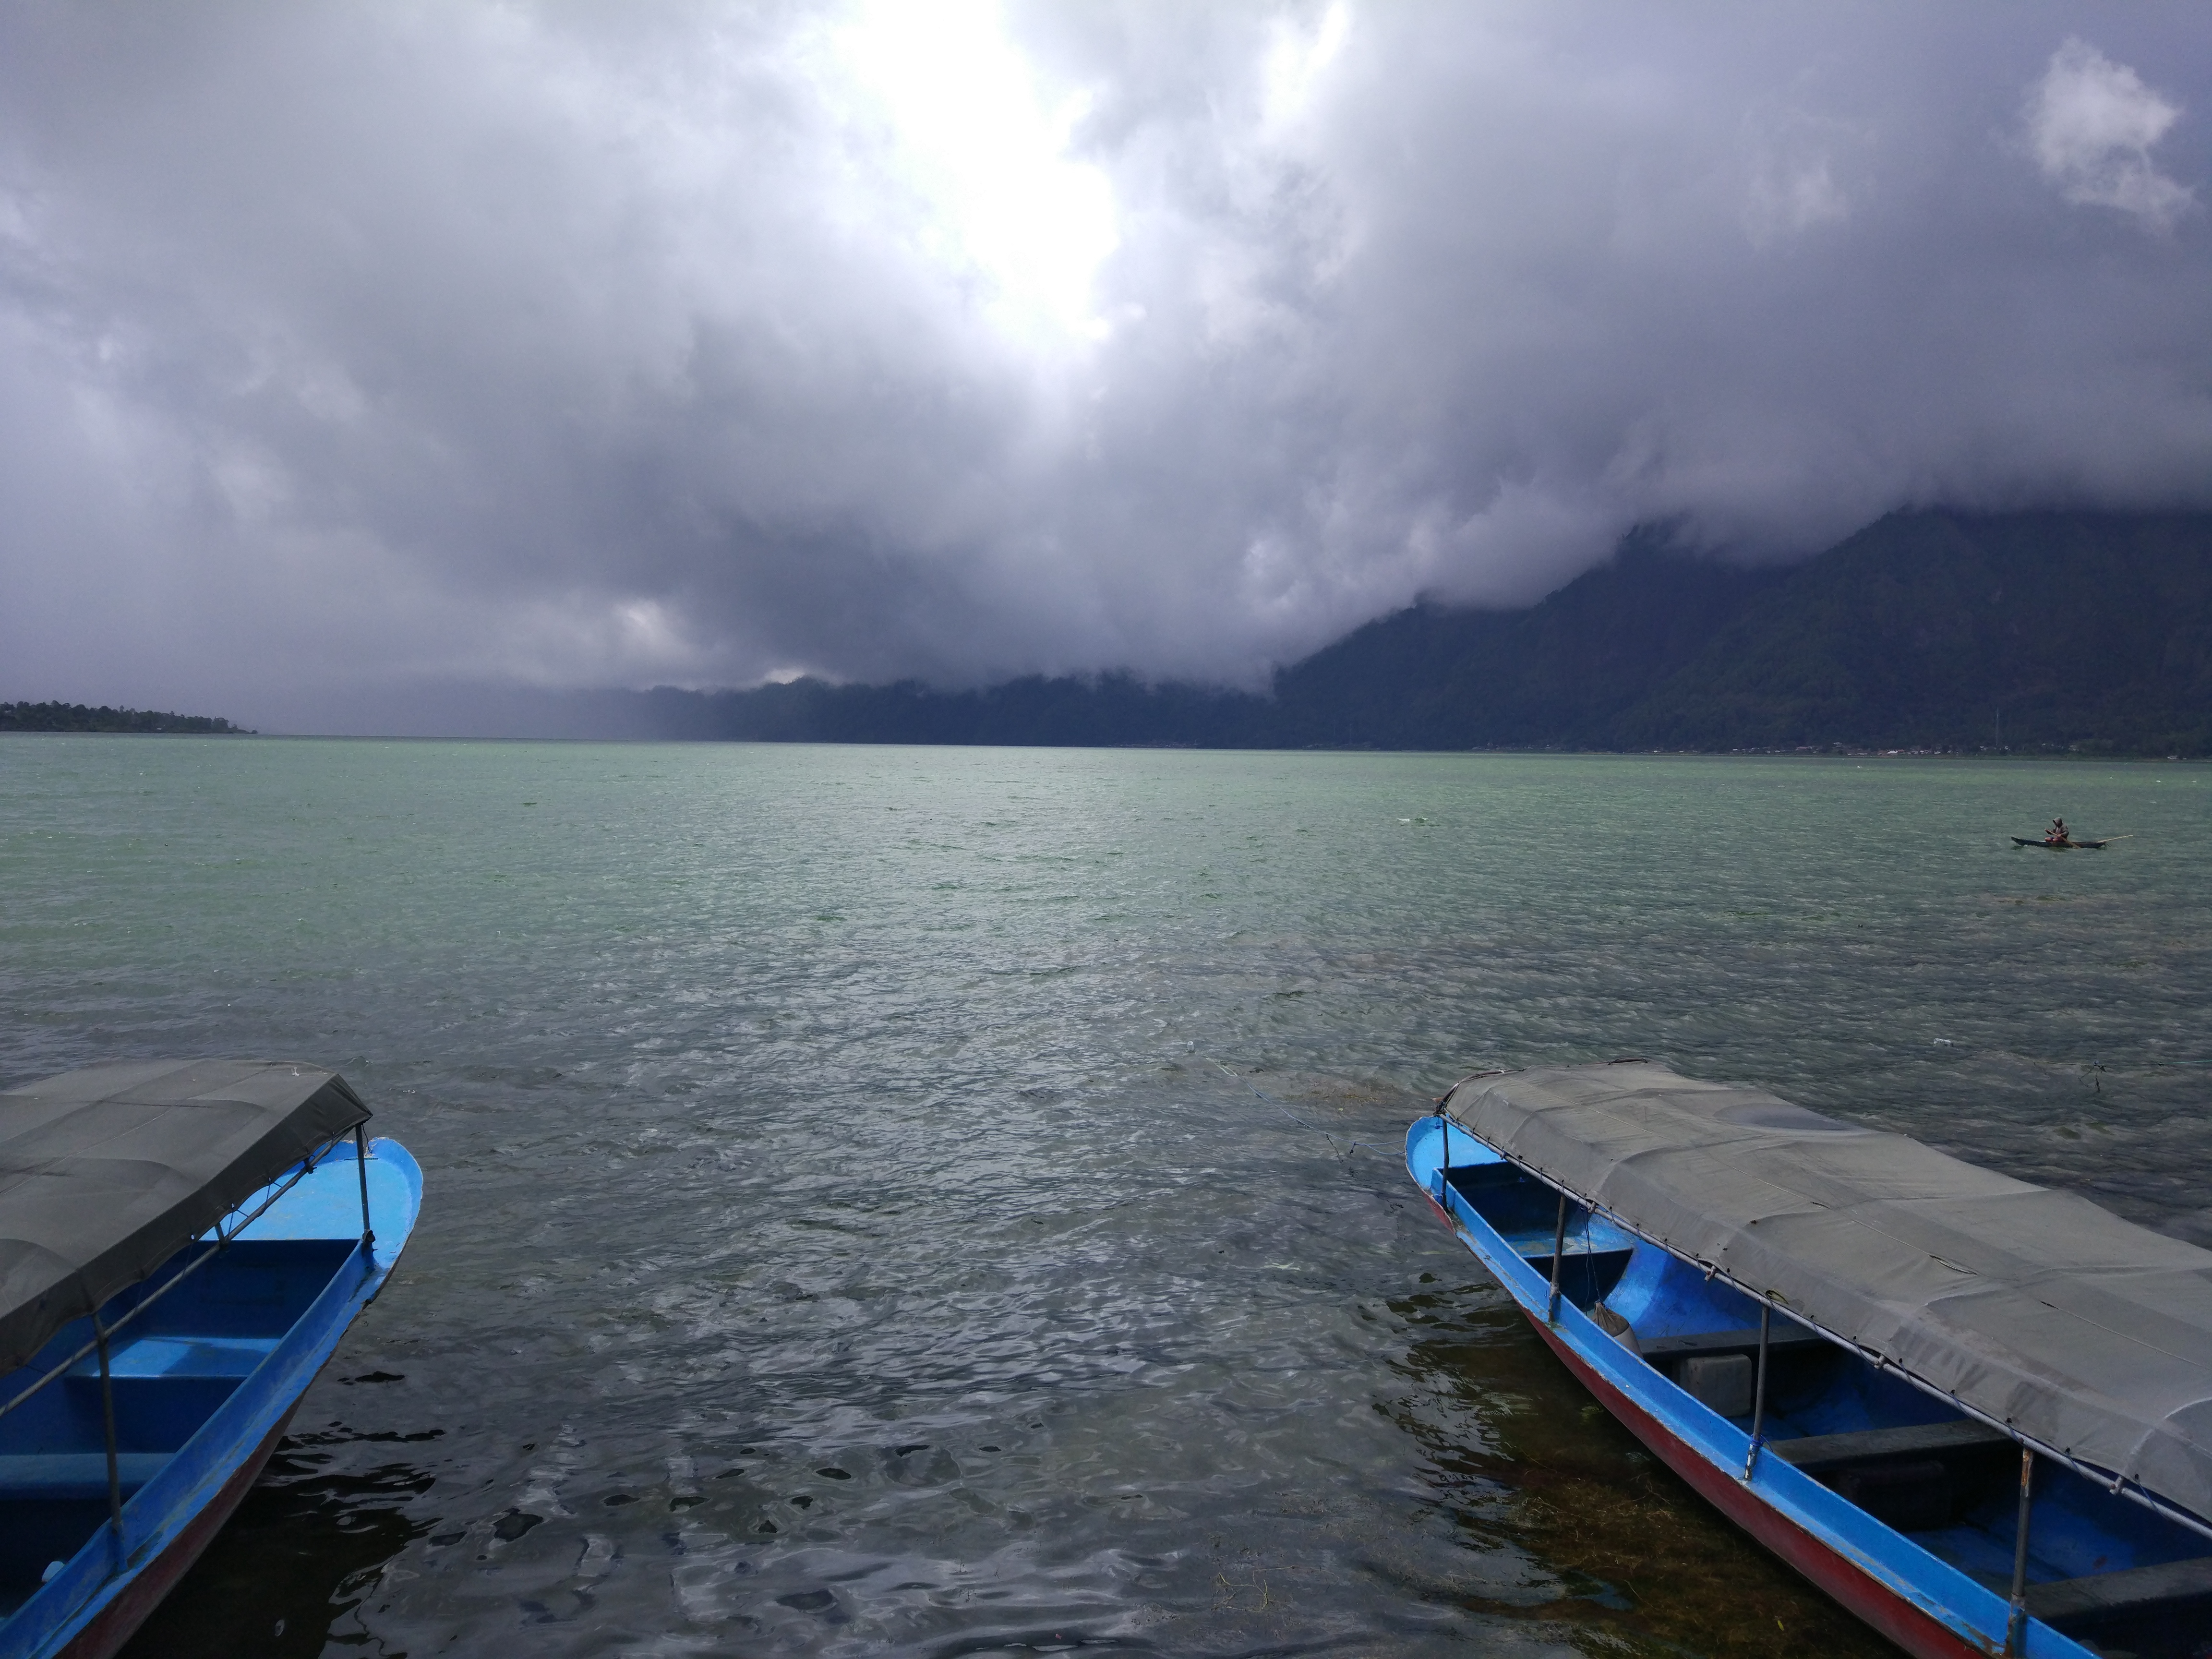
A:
<point x="2082" y="754"/>
<point x="76" y="717"/>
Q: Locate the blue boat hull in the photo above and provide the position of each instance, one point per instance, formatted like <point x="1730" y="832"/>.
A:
<point x="136" y="1598"/>
<point x="204" y="1388"/>
<point x="1873" y="1596"/>
<point x="1928" y="1605"/>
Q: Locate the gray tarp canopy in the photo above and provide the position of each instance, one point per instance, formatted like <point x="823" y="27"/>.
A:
<point x="106" y="1173"/>
<point x="2036" y="1309"/>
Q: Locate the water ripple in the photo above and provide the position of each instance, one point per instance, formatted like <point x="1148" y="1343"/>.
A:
<point x="840" y="1237"/>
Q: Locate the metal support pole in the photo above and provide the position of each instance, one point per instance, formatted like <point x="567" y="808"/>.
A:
<point x="2016" y="1625"/>
<point x="360" y="1163"/>
<point x="1558" y="1252"/>
<point x="1758" y="1391"/>
<point x="108" y="1416"/>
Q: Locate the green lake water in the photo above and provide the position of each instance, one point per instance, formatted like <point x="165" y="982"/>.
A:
<point x="842" y="1236"/>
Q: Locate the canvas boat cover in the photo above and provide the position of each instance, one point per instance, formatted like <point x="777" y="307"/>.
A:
<point x="106" y="1173"/>
<point x="2036" y="1309"/>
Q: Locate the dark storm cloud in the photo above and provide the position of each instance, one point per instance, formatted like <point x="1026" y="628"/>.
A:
<point x="347" y="347"/>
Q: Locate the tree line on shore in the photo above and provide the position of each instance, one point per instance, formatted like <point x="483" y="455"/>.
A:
<point x="79" y="717"/>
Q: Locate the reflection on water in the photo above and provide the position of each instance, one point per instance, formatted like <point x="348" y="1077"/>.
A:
<point x="288" y="1574"/>
<point x="839" y="1239"/>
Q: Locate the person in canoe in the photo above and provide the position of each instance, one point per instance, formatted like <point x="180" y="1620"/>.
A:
<point x="2057" y="835"/>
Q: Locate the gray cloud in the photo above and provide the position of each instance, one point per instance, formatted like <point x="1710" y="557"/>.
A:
<point x="2094" y="125"/>
<point x="347" y="351"/>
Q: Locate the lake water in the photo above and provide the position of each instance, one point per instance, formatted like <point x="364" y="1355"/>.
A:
<point x="842" y="1236"/>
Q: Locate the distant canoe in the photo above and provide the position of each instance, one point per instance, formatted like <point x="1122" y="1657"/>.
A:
<point x="2059" y="846"/>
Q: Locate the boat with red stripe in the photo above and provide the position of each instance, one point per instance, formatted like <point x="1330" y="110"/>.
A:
<point x="1961" y="1405"/>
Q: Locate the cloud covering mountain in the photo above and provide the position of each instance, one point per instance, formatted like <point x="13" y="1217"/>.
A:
<point x="351" y="353"/>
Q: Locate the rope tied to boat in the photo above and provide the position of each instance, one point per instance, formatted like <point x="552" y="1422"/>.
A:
<point x="1342" y="1156"/>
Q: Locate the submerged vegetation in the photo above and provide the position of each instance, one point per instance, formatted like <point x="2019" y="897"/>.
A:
<point x="1619" y="1554"/>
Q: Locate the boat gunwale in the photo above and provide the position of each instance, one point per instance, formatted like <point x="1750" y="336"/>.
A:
<point x="2116" y="1484"/>
<point x="1801" y="1539"/>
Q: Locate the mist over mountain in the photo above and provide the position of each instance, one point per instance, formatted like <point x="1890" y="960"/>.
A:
<point x="370" y="368"/>
<point x="1939" y="631"/>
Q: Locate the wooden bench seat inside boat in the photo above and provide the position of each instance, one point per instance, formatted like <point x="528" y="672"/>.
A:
<point x="159" y="1356"/>
<point x="2108" y="1595"/>
<point x="1813" y="1453"/>
<point x="1667" y="1349"/>
<point x="49" y="1476"/>
<point x="165" y="1384"/>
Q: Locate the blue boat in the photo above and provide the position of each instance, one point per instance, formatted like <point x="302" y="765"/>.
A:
<point x="1976" y="1411"/>
<point x="182" y="1245"/>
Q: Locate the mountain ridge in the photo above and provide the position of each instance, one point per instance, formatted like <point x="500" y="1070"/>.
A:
<point x="1929" y="629"/>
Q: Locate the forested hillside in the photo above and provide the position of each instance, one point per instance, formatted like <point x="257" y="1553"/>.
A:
<point x="2038" y="631"/>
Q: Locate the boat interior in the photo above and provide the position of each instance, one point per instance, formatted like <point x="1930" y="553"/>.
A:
<point x="171" y="1369"/>
<point x="2101" y="1568"/>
